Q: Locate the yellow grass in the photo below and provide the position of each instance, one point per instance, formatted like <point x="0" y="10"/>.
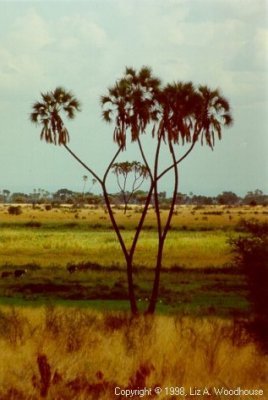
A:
<point x="171" y="351"/>
<point x="191" y="216"/>
<point x="196" y="240"/>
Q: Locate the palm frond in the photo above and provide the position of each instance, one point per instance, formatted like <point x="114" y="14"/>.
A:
<point x="34" y="117"/>
<point x="106" y="115"/>
<point x="228" y="119"/>
<point x="48" y="114"/>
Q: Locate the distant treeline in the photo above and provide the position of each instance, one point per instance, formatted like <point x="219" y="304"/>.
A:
<point x="61" y="196"/>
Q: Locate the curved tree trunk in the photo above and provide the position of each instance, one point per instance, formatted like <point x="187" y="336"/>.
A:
<point x="163" y="235"/>
<point x="128" y="257"/>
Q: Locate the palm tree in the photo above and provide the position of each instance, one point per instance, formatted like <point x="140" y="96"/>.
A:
<point x="213" y="115"/>
<point x="123" y="170"/>
<point x="48" y="113"/>
<point x="187" y="114"/>
<point x="85" y="178"/>
<point x="133" y="104"/>
<point x="175" y="115"/>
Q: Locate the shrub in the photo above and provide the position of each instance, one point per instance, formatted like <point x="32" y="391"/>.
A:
<point x="33" y="224"/>
<point x="251" y="249"/>
<point x="14" y="210"/>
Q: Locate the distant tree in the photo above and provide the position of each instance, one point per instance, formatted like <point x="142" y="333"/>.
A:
<point x="6" y="194"/>
<point x="19" y="197"/>
<point x="228" y="198"/>
<point x="93" y="182"/>
<point x="175" y="115"/>
<point x="63" y="195"/>
<point x="85" y="178"/>
<point x="255" y="197"/>
<point x="202" y="200"/>
<point x="181" y="198"/>
<point x="123" y="171"/>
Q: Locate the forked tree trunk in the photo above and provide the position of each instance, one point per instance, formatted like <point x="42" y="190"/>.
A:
<point x="131" y="291"/>
<point x="162" y="234"/>
<point x="155" y="290"/>
<point x="128" y="258"/>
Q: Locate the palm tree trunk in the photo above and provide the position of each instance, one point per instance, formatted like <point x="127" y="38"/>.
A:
<point x="162" y="238"/>
<point x="129" y="263"/>
<point x="155" y="290"/>
<point x="131" y="291"/>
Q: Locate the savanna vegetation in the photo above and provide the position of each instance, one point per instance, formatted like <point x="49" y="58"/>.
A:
<point x="174" y="115"/>
<point x="71" y="258"/>
<point x="192" y="274"/>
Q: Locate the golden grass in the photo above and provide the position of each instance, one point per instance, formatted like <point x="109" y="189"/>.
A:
<point x="89" y="351"/>
<point x="198" y="238"/>
<point x="191" y="216"/>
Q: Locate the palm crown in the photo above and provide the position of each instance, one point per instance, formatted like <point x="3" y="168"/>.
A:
<point x="183" y="113"/>
<point x="47" y="113"/>
<point x="214" y="112"/>
<point x="132" y="102"/>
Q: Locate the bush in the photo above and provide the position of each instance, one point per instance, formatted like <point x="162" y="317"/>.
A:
<point x="14" y="210"/>
<point x="251" y="249"/>
<point x="33" y="224"/>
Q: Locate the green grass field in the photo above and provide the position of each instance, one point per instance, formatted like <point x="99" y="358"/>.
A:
<point x="198" y="275"/>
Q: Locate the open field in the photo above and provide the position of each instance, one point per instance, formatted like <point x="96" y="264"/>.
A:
<point x="198" y="238"/>
<point x="65" y="333"/>
<point x="198" y="273"/>
<point x="198" y="276"/>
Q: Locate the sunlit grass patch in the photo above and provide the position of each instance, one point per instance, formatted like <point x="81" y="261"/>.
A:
<point x="190" y="249"/>
<point x="56" y="237"/>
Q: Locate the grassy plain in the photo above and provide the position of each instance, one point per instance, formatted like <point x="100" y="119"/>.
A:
<point x="197" y="238"/>
<point x="198" y="339"/>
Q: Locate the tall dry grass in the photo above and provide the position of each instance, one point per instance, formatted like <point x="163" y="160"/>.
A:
<point x="60" y="353"/>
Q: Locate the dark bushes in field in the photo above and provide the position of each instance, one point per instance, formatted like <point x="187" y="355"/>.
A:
<point x="14" y="210"/>
<point x="251" y="249"/>
<point x="33" y="224"/>
<point x="83" y="267"/>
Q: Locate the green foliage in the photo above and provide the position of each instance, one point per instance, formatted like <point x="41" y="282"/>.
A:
<point x="47" y="113"/>
<point x="251" y="249"/>
<point x="178" y="112"/>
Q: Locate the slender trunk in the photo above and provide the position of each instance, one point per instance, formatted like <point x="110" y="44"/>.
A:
<point x="131" y="291"/>
<point x="161" y="243"/>
<point x="132" y="298"/>
<point x="155" y="290"/>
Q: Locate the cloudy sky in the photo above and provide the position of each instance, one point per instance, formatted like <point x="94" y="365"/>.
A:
<point x="85" y="46"/>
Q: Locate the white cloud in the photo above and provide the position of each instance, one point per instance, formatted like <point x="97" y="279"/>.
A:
<point x="30" y="32"/>
<point x="76" y="28"/>
<point x="261" y="43"/>
<point x="85" y="48"/>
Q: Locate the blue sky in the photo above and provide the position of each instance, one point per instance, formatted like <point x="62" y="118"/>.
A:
<point x="85" y="46"/>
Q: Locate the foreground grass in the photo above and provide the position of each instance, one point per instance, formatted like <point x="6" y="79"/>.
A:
<point x="69" y="354"/>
